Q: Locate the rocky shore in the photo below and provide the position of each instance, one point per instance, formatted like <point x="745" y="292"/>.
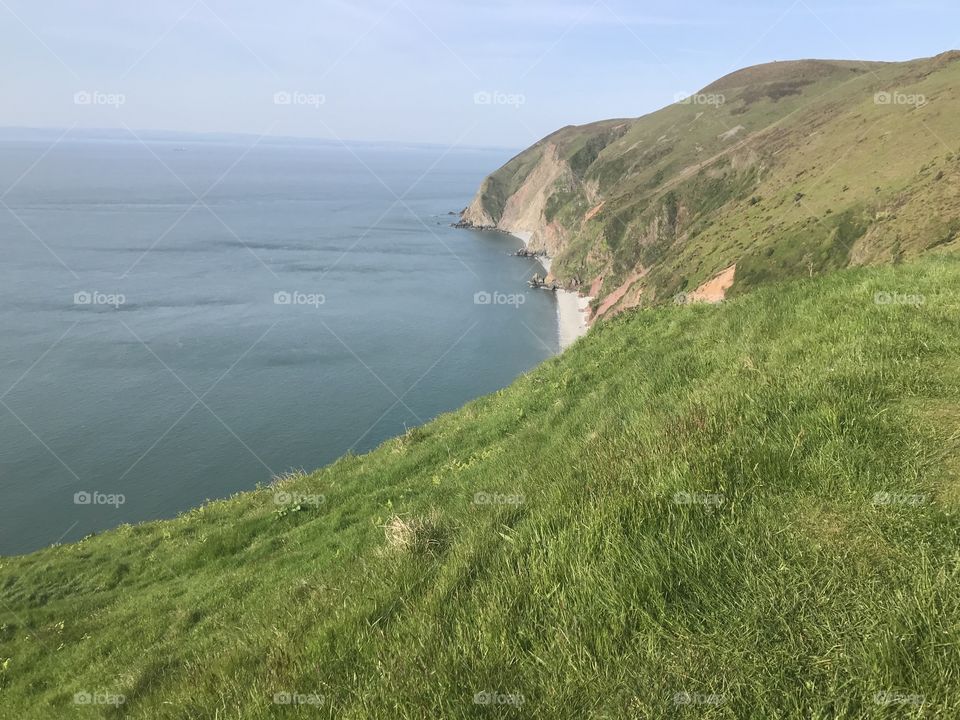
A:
<point x="573" y="310"/>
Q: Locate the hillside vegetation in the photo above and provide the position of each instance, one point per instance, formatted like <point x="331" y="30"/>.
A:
<point x="745" y="510"/>
<point x="778" y="171"/>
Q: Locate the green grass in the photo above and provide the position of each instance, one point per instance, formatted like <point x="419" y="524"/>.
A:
<point x="785" y="588"/>
<point x="819" y="176"/>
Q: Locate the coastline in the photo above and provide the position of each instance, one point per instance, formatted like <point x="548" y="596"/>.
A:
<point x="571" y="306"/>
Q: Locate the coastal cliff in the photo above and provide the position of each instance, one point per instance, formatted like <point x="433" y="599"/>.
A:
<point x="777" y="171"/>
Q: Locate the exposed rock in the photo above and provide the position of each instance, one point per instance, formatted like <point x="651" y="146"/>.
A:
<point x="524" y="252"/>
<point x="610" y="301"/>
<point x="731" y="133"/>
<point x="715" y="289"/>
<point x="593" y="211"/>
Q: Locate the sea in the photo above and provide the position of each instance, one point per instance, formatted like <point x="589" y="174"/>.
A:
<point x="185" y="317"/>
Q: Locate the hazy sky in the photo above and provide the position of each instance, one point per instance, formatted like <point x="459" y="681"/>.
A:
<point x="492" y="72"/>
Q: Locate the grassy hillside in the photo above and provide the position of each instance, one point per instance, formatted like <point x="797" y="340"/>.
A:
<point x="784" y="170"/>
<point x="732" y="511"/>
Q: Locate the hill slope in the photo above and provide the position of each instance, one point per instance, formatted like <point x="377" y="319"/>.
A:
<point x="741" y="510"/>
<point x="782" y="170"/>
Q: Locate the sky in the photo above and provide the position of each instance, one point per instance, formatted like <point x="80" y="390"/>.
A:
<point x="498" y="73"/>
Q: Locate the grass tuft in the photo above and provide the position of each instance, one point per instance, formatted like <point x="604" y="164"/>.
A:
<point x="427" y="535"/>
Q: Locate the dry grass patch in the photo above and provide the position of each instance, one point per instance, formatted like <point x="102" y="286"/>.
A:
<point x="428" y="534"/>
<point x="290" y="476"/>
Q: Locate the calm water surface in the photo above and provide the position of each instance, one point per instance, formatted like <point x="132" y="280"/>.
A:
<point x="181" y="320"/>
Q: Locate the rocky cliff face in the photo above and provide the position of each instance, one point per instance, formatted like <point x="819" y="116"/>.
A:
<point x="476" y="216"/>
<point x="524" y="212"/>
<point x="782" y="170"/>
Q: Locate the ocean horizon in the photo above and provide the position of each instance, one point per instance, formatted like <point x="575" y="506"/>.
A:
<point x="186" y="320"/>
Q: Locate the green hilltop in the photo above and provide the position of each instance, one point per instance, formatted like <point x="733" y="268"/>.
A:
<point x="782" y="170"/>
<point x="739" y="510"/>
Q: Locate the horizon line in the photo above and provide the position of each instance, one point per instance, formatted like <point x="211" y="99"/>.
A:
<point x="135" y="134"/>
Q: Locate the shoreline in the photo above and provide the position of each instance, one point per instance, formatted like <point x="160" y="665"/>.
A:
<point x="571" y="306"/>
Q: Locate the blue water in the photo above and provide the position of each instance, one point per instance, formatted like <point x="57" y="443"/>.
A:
<point x="186" y="377"/>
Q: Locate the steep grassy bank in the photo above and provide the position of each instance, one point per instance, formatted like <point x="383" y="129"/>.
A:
<point x="744" y="510"/>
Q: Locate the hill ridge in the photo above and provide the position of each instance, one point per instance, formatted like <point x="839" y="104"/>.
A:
<point x="705" y="183"/>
